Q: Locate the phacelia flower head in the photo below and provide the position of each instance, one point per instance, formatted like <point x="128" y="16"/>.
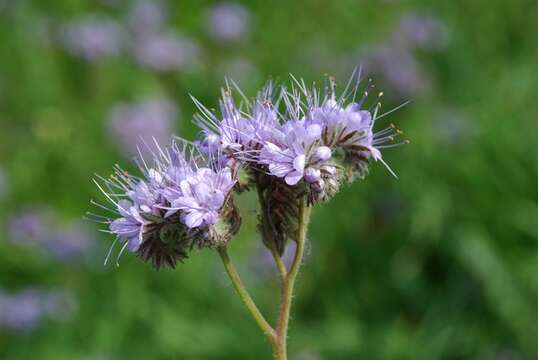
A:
<point x="297" y="154"/>
<point x="177" y="203"/>
<point x="303" y="143"/>
<point x="347" y="127"/>
<point x="238" y="130"/>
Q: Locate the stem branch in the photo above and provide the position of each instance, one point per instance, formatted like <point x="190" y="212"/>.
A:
<point x="289" y="282"/>
<point x="245" y="297"/>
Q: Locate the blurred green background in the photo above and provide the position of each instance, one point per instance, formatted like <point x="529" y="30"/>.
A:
<point x="441" y="263"/>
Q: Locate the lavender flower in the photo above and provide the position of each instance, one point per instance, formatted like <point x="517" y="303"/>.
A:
<point x="176" y="204"/>
<point x="165" y="52"/>
<point x="349" y="127"/>
<point x="299" y="143"/>
<point x="228" y="22"/>
<point x="318" y="127"/>
<point x="297" y="154"/>
<point x="132" y="123"/>
<point x="201" y="196"/>
<point x="235" y="132"/>
<point x="93" y="37"/>
<point x="296" y="138"/>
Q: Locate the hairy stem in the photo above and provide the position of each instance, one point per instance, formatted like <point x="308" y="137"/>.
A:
<point x="289" y="282"/>
<point x="245" y="297"/>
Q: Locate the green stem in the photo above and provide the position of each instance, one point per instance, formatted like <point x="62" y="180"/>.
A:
<point x="245" y="297"/>
<point x="289" y="282"/>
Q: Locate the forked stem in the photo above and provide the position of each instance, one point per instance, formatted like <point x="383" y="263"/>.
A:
<point x="245" y="296"/>
<point x="278" y="337"/>
<point x="289" y="282"/>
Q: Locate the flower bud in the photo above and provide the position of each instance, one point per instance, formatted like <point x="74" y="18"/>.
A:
<point x="312" y="175"/>
<point x="323" y="153"/>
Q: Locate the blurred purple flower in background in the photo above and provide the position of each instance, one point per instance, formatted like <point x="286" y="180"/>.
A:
<point x="25" y="309"/>
<point x="228" y="22"/>
<point x="131" y="123"/>
<point x="38" y="227"/>
<point x="30" y="227"/>
<point x="93" y="37"/>
<point x="165" y="52"/>
<point x="421" y="31"/>
<point x="21" y="311"/>
<point x="147" y="17"/>
<point x="68" y="242"/>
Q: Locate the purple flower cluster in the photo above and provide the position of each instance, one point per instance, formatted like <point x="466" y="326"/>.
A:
<point x="298" y="135"/>
<point x="177" y="203"/>
<point x="23" y="310"/>
<point x="289" y="143"/>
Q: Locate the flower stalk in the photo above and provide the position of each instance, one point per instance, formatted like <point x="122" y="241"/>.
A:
<point x="245" y="296"/>
<point x="278" y="337"/>
<point x="289" y="283"/>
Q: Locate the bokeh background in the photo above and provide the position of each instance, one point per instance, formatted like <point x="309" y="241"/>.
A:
<point x="441" y="263"/>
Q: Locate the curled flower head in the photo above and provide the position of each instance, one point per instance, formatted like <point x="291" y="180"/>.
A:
<point x="238" y="130"/>
<point x="308" y="137"/>
<point x="347" y="127"/>
<point x="175" y="205"/>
